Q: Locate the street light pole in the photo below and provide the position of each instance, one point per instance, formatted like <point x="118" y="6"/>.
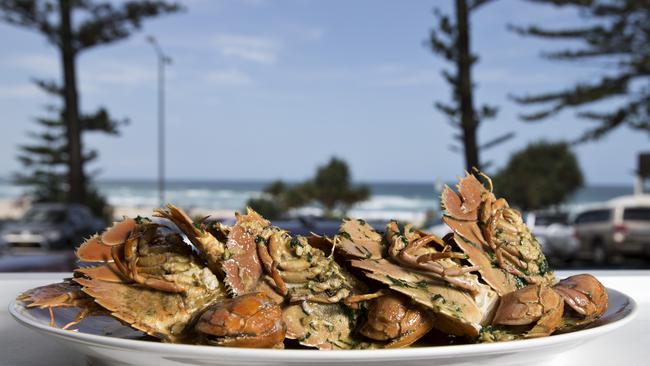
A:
<point x="162" y="61"/>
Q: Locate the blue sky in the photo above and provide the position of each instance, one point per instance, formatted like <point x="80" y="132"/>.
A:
<point x="270" y="89"/>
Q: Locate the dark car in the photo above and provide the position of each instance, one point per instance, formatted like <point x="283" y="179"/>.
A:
<point x="306" y="225"/>
<point x="50" y="226"/>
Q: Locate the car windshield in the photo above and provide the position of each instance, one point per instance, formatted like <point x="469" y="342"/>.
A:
<point x="637" y="214"/>
<point x="44" y="216"/>
<point x="594" y="216"/>
<point x="549" y="219"/>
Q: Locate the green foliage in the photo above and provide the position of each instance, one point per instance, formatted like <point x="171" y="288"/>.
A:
<point x="541" y="175"/>
<point x="266" y="207"/>
<point x="331" y="188"/>
<point x="278" y="199"/>
<point x="616" y="34"/>
<point x="44" y="161"/>
<point x="102" y="22"/>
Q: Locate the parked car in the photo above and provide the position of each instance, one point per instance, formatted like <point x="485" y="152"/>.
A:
<point x="305" y="225"/>
<point x="621" y="226"/>
<point x="555" y="233"/>
<point x="50" y="226"/>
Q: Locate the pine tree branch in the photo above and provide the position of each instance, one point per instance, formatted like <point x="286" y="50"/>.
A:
<point x="578" y="95"/>
<point x="100" y="121"/>
<point x="636" y="114"/>
<point x="497" y="141"/>
<point x="572" y="33"/>
<point x="109" y="24"/>
<point x="33" y="15"/>
<point x="49" y="86"/>
<point x="476" y="4"/>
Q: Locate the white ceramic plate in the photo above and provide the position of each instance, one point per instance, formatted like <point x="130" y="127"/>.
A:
<point x="120" y="347"/>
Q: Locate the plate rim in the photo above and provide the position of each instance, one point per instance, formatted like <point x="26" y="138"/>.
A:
<point x="15" y="309"/>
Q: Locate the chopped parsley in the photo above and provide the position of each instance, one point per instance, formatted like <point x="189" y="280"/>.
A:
<point x="438" y="298"/>
<point x="345" y="234"/>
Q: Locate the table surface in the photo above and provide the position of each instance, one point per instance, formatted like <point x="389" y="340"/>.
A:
<point x="629" y="346"/>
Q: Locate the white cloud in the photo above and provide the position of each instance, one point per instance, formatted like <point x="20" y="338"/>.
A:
<point x="230" y="77"/>
<point x="517" y="77"/>
<point x="118" y="74"/>
<point x="397" y="75"/>
<point x="35" y="63"/>
<point x="26" y="90"/>
<point x="250" y="48"/>
<point x="304" y="32"/>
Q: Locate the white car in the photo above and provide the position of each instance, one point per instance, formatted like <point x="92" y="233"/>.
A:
<point x="620" y="226"/>
<point x="554" y="233"/>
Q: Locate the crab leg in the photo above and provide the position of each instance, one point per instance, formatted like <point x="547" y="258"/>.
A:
<point x="271" y="267"/>
<point x="350" y="300"/>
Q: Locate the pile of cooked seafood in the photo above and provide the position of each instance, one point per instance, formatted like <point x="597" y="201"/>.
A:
<point x="255" y="285"/>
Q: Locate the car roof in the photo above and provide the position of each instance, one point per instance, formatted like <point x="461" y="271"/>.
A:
<point x="633" y="200"/>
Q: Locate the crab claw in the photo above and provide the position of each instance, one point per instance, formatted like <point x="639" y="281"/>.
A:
<point x="251" y="320"/>
<point x="584" y="294"/>
<point x="209" y="247"/>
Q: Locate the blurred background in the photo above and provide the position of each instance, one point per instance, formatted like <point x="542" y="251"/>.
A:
<point x="309" y="111"/>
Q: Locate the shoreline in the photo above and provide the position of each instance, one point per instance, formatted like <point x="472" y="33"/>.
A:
<point x="12" y="209"/>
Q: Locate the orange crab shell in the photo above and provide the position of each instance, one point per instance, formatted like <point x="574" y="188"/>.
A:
<point x="584" y="294"/>
<point x="251" y="320"/>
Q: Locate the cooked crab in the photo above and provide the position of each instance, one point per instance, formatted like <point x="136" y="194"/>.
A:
<point x="262" y="258"/>
<point x="207" y="245"/>
<point x="393" y="318"/>
<point x="251" y="320"/>
<point x="145" y="276"/>
<point x="64" y="294"/>
<point x="410" y="247"/>
<point x="357" y="239"/>
<point x="494" y="236"/>
<point x="470" y="283"/>
<point x="457" y="311"/>
<point x="431" y="275"/>
<point x="538" y="305"/>
<point x="584" y="294"/>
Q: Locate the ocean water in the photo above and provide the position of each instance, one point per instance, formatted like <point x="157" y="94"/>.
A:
<point x="405" y="201"/>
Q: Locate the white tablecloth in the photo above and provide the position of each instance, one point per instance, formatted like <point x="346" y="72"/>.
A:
<point x="629" y="346"/>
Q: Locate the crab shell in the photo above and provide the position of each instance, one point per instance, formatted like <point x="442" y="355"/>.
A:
<point x="358" y="240"/>
<point x="394" y="318"/>
<point x="457" y="312"/>
<point x="242" y="267"/>
<point x="534" y="304"/>
<point x="152" y="282"/>
<point x="251" y="320"/>
<point x="584" y="294"/>
<point x="494" y="237"/>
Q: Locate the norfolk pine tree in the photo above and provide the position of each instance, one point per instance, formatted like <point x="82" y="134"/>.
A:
<point x="615" y="34"/>
<point x="451" y="41"/>
<point x="75" y="26"/>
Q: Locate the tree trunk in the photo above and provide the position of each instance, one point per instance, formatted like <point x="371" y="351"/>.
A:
<point x="464" y="64"/>
<point x="76" y="177"/>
